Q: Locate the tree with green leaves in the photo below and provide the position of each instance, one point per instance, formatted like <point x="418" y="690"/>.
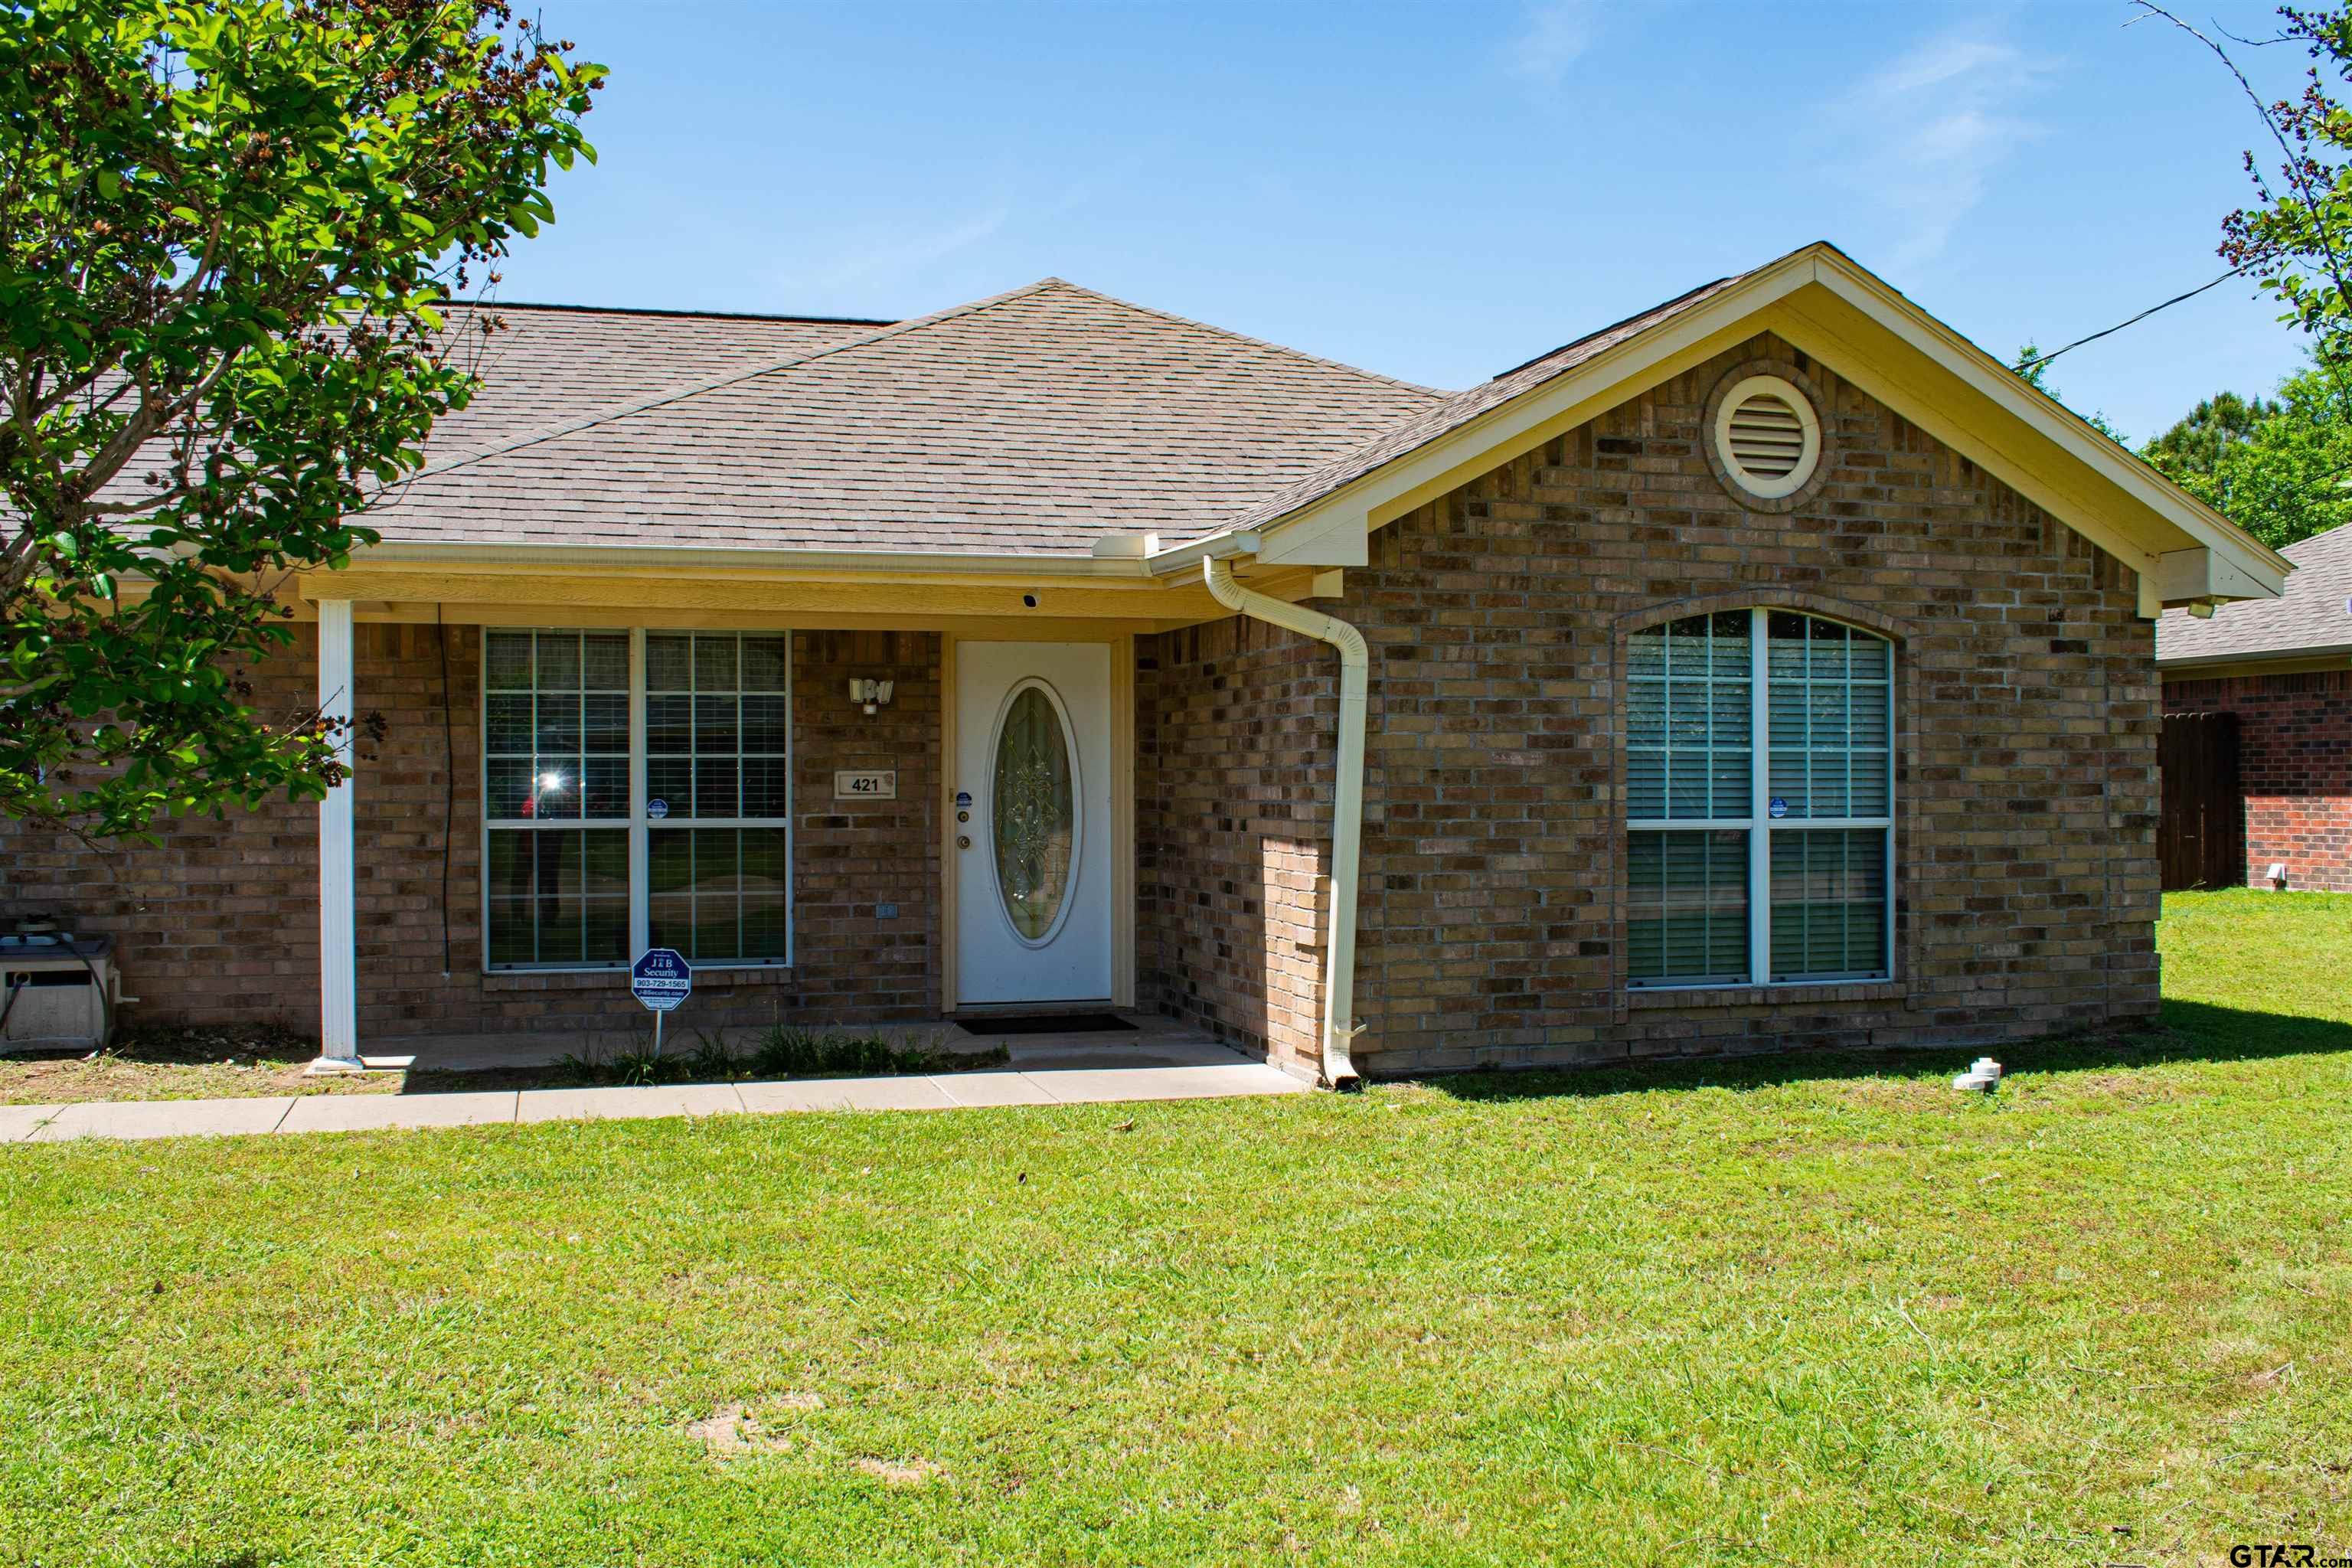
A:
<point x="228" y="228"/>
<point x="2278" y="467"/>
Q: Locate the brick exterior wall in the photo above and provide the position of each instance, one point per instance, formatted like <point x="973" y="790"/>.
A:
<point x="852" y="856"/>
<point x="219" y="923"/>
<point x="2294" y="768"/>
<point x="1490" y="923"/>
<point x="1234" y="773"/>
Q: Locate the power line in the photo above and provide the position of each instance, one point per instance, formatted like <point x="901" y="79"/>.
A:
<point x="2026" y="365"/>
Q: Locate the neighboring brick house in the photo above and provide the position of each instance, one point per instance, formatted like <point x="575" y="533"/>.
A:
<point x="2282" y="668"/>
<point x="1772" y="668"/>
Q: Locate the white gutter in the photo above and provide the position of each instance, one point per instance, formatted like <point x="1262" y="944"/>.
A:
<point x="1216" y="547"/>
<point x="896" y="563"/>
<point x="1339" y="1026"/>
<point x="2255" y="655"/>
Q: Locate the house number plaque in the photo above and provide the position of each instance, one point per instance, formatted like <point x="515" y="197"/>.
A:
<point x="851" y="784"/>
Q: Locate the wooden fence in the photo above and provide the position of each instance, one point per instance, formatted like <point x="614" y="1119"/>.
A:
<point x="2200" y="840"/>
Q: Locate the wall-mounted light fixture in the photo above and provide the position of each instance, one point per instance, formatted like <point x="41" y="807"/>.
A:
<point x="874" y="695"/>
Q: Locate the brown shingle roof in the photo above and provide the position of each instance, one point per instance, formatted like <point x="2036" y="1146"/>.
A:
<point x="550" y="361"/>
<point x="2311" y="617"/>
<point x="1034" y="422"/>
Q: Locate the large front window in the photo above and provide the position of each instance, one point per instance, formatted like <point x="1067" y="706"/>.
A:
<point x="1760" y="800"/>
<point x="637" y="790"/>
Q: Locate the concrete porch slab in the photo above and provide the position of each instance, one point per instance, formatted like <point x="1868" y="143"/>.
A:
<point x="1153" y="1042"/>
<point x="1060" y="1053"/>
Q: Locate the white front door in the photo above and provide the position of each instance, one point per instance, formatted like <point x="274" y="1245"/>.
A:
<point x="1033" y="847"/>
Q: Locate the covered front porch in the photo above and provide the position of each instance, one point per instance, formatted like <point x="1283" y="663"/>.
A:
<point x="897" y="804"/>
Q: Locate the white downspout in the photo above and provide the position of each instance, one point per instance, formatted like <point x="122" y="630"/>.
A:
<point x="1339" y="1026"/>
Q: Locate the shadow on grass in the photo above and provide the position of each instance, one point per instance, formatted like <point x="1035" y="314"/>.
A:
<point x="2188" y="1031"/>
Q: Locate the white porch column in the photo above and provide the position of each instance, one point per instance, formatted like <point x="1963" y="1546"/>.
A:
<point x="339" y="1026"/>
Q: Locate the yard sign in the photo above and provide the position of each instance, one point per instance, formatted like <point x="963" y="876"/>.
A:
<point x="661" y="979"/>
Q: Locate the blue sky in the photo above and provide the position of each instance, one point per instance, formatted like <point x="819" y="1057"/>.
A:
<point x="1434" y="191"/>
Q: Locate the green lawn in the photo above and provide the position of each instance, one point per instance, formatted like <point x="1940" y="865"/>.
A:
<point x="1812" y="1311"/>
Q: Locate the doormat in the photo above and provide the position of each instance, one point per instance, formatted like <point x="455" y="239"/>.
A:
<point x="1046" y="1023"/>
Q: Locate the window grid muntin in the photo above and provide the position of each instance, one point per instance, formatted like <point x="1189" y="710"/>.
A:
<point x="708" y="696"/>
<point x="1763" y="830"/>
<point x="1689" y="712"/>
<point x="498" y="678"/>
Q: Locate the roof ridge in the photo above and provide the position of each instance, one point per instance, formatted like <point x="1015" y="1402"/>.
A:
<point x="572" y="426"/>
<point x="1245" y="338"/>
<point x="487" y="304"/>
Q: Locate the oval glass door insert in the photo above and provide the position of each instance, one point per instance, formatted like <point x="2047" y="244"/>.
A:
<point x="1034" y="802"/>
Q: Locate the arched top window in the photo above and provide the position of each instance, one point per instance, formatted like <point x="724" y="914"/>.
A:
<point x="1759" y="785"/>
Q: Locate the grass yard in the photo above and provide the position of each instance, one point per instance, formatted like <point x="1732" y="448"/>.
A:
<point x="1811" y="1310"/>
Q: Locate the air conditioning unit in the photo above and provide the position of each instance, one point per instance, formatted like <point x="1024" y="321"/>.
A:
<point x="56" y="992"/>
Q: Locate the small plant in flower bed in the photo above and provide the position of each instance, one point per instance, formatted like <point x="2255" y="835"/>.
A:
<point x="782" y="1052"/>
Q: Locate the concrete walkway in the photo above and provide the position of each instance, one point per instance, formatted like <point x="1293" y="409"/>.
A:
<point x="1179" y="1072"/>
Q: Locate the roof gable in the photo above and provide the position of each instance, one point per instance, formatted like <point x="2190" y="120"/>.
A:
<point x="1821" y="301"/>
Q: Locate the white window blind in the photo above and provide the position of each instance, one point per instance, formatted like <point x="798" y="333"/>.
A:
<point x="1759" y="784"/>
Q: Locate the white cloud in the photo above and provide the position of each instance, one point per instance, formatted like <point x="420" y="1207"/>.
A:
<point x="1928" y="130"/>
<point x="1557" y="35"/>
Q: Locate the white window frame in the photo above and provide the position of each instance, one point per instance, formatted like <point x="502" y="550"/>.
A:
<point x="1759" y="825"/>
<point x="640" y="827"/>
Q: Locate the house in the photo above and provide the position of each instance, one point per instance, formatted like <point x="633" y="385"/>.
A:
<point x="2258" y="741"/>
<point x="1771" y="668"/>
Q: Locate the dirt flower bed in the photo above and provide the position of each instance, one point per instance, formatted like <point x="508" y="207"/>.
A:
<point x="152" y="1061"/>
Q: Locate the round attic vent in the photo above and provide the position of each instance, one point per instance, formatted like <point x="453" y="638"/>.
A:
<point x="1767" y="437"/>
